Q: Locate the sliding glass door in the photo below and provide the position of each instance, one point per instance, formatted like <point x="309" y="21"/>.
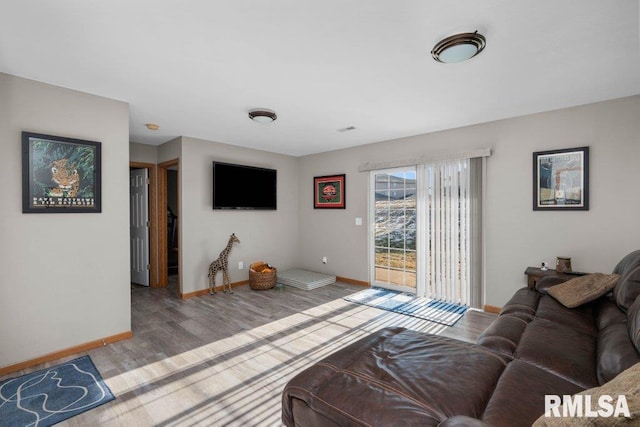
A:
<point x="395" y="229"/>
<point x="426" y="230"/>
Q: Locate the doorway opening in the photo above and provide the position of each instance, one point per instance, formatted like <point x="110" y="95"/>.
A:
<point x="143" y="243"/>
<point x="169" y="226"/>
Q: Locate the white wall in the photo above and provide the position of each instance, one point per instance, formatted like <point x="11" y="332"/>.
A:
<point x="517" y="236"/>
<point x="170" y="150"/>
<point x="65" y="277"/>
<point x="332" y="232"/>
<point x="143" y="153"/>
<point x="270" y="236"/>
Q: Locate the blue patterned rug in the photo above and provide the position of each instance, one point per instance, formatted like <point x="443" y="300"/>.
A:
<point x="410" y="305"/>
<point x="51" y="395"/>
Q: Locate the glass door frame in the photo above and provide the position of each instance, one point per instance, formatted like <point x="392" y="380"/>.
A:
<point x="419" y="288"/>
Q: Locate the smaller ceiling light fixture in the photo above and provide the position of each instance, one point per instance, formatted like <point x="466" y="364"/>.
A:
<point x="152" y="126"/>
<point x="262" y="115"/>
<point x="458" y="47"/>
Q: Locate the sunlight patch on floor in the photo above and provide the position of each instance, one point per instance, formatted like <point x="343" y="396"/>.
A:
<point x="216" y="375"/>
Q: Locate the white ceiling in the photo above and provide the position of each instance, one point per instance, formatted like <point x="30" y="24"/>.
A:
<point x="197" y="67"/>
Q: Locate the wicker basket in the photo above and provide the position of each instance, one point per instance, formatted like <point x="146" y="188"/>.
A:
<point x="259" y="280"/>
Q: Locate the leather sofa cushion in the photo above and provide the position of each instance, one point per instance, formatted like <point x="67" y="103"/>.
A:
<point x="615" y="352"/>
<point x="523" y="304"/>
<point x="561" y="350"/>
<point x="633" y="316"/>
<point x="463" y="421"/>
<point x="607" y="313"/>
<point x="304" y="416"/>
<point x="580" y="318"/>
<point x="503" y="335"/>
<point x="583" y="289"/>
<point x="519" y="397"/>
<point x="418" y="378"/>
<point x="628" y="288"/>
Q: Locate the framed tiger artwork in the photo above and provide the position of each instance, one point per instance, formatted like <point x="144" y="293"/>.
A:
<point x="60" y="175"/>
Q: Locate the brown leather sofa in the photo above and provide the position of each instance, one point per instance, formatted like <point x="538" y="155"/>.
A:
<point x="535" y="347"/>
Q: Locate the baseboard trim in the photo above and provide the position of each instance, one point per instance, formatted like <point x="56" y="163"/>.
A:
<point x="246" y="282"/>
<point x="206" y="291"/>
<point x="352" y="281"/>
<point x="66" y="352"/>
<point x="492" y="309"/>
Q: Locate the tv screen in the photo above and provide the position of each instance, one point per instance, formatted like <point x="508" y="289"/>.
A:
<point x="243" y="187"/>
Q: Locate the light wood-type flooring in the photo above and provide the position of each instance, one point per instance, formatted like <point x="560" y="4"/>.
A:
<point x="223" y="360"/>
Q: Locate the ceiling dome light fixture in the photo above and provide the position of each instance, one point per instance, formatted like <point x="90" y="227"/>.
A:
<point x="458" y="47"/>
<point x="262" y="116"/>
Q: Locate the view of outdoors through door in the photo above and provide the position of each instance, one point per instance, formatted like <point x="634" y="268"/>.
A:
<point x="395" y="229"/>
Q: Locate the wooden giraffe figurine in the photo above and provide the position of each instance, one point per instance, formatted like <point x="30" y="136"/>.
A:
<point x="222" y="263"/>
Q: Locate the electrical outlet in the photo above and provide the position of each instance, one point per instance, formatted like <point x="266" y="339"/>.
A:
<point x="240" y="265"/>
<point x="324" y="259"/>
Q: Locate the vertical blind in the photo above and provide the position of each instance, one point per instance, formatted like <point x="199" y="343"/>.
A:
<point x="452" y="238"/>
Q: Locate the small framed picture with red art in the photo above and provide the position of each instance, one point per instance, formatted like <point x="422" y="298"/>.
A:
<point x="329" y="192"/>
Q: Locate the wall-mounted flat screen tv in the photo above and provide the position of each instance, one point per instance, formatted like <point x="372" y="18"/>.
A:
<point x="243" y="187"/>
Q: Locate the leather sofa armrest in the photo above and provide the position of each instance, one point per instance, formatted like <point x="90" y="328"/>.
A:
<point x="462" y="421"/>
<point x="546" y="282"/>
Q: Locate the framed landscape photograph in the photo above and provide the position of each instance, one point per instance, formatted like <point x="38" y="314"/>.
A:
<point x="60" y="174"/>
<point x="561" y="179"/>
<point x="329" y="192"/>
